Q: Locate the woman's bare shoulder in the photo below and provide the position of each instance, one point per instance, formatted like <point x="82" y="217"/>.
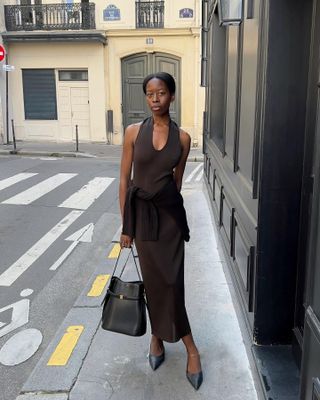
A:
<point x="132" y="131"/>
<point x="185" y="138"/>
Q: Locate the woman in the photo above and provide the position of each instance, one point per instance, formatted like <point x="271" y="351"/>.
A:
<point x="154" y="216"/>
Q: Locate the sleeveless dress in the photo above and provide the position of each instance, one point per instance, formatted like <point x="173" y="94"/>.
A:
<point x="161" y="261"/>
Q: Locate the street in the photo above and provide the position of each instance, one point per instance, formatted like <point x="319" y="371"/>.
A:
<point x="57" y="216"/>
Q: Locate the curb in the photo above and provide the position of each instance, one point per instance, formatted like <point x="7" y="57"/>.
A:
<point x="61" y="154"/>
<point x="47" y="154"/>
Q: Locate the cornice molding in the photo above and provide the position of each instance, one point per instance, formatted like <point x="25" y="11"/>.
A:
<point x="55" y="36"/>
<point x="153" y="32"/>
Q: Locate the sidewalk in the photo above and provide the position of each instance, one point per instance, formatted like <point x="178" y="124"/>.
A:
<point x="104" y="365"/>
<point x="86" y="150"/>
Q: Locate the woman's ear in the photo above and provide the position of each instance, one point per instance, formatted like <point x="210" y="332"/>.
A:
<point x="172" y="98"/>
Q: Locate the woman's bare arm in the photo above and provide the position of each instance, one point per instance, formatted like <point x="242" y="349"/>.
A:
<point x="125" y="172"/>
<point x="179" y="170"/>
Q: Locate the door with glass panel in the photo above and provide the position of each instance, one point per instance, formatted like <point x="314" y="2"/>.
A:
<point x="74" y="105"/>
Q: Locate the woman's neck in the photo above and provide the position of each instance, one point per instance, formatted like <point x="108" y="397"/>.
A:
<point x="161" y="120"/>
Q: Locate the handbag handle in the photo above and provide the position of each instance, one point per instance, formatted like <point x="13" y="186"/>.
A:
<point x="135" y="263"/>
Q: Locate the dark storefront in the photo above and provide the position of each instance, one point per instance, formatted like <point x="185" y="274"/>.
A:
<point x="262" y="166"/>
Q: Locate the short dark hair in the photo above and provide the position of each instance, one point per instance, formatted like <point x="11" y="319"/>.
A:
<point x="165" y="77"/>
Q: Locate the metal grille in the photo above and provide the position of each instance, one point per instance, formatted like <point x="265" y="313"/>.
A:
<point x="149" y="14"/>
<point x="50" y="17"/>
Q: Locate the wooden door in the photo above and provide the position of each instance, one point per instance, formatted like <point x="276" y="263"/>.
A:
<point x="310" y="286"/>
<point x="134" y="69"/>
<point x="307" y="190"/>
<point x="74" y="110"/>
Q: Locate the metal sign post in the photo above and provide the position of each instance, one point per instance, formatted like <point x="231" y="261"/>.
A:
<point x="3" y="56"/>
<point x="7" y="104"/>
<point x="8" y="68"/>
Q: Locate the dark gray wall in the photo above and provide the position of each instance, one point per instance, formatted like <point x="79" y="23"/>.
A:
<point x="281" y="168"/>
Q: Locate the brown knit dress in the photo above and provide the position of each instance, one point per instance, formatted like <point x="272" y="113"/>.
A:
<point x="162" y="261"/>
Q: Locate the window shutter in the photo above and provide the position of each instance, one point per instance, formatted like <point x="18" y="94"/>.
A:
<point x="39" y="89"/>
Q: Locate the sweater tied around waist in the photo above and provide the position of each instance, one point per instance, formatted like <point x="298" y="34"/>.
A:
<point x="167" y="198"/>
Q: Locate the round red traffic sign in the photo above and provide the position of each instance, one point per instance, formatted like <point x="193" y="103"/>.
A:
<point x="2" y="53"/>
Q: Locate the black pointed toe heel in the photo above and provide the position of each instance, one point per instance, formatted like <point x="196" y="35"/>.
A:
<point x="195" y="379"/>
<point x="156" y="361"/>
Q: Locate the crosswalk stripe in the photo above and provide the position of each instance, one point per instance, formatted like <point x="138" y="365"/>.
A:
<point x="192" y="174"/>
<point x="5" y="183"/>
<point x="83" y="198"/>
<point x="8" y="277"/>
<point x="39" y="190"/>
<point x="199" y="176"/>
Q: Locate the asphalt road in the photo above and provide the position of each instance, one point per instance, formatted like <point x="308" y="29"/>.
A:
<point x="56" y="217"/>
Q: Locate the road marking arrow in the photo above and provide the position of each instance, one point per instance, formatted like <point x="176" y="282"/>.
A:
<point x="8" y="277"/>
<point x="82" y="235"/>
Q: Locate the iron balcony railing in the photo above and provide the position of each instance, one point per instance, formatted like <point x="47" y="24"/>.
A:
<point x="50" y="17"/>
<point x="149" y="14"/>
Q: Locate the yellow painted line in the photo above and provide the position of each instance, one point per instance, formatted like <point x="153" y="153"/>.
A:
<point x="114" y="253"/>
<point x="98" y="285"/>
<point x="66" y="346"/>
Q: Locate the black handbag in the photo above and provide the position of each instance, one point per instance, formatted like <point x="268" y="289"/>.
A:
<point x="124" y="306"/>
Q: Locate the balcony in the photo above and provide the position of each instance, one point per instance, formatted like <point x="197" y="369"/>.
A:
<point x="149" y="14"/>
<point x="50" y="17"/>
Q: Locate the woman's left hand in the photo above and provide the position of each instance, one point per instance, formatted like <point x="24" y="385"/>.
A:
<point x="125" y="241"/>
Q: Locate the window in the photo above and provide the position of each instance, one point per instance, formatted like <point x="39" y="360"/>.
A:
<point x="75" y="75"/>
<point x="149" y="14"/>
<point x="39" y="91"/>
<point x="217" y="79"/>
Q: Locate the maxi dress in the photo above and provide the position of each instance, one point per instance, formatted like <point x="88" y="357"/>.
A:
<point x="161" y="261"/>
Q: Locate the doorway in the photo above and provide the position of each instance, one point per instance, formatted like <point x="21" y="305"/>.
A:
<point x="134" y="69"/>
<point x="74" y="111"/>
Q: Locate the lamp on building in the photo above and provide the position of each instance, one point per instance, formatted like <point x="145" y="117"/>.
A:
<point x="230" y="12"/>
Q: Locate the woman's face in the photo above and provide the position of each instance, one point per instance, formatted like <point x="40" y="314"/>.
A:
<point x="158" y="96"/>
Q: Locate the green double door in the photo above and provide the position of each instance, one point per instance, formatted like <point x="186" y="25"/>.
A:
<point x="134" y="69"/>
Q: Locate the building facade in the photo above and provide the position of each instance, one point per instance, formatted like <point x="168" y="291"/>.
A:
<point x="262" y="159"/>
<point x="82" y="64"/>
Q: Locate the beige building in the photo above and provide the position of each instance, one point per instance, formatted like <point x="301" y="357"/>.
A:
<point x="82" y="64"/>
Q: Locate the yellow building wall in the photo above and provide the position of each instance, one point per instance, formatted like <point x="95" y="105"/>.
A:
<point x="58" y="56"/>
<point x="179" y="37"/>
<point x="128" y="11"/>
<point x="183" y="43"/>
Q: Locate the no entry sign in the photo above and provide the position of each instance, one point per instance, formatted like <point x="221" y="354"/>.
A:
<point x="2" y="53"/>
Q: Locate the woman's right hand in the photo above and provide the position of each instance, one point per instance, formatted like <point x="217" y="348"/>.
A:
<point x="125" y="241"/>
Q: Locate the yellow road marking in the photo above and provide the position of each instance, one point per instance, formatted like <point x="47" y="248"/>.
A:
<point x="98" y="285"/>
<point x="114" y="253"/>
<point x="66" y="346"/>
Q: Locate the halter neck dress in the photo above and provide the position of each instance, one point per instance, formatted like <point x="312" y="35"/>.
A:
<point x="162" y="260"/>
